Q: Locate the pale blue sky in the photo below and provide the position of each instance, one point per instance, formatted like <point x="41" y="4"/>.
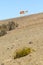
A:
<point x="11" y="8"/>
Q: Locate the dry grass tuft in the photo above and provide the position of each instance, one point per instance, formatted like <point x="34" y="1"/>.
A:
<point x="22" y="52"/>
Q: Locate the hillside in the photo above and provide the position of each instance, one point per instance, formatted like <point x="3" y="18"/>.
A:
<point x="30" y="29"/>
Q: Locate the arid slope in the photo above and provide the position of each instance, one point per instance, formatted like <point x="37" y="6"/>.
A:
<point x="30" y="29"/>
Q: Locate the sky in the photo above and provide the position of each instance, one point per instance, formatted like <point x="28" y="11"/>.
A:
<point x="12" y="8"/>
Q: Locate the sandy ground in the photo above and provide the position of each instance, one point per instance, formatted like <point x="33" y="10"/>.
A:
<point x="29" y="30"/>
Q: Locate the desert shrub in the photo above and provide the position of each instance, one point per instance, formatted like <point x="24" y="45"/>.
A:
<point x="11" y="26"/>
<point x="2" y="32"/>
<point x="3" y="26"/>
<point x="22" y="52"/>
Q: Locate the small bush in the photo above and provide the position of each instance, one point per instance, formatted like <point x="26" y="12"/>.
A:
<point x="2" y="32"/>
<point x="7" y="27"/>
<point x="11" y="26"/>
<point x="3" y="27"/>
<point x="22" y="53"/>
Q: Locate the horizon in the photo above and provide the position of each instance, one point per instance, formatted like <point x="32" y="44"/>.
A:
<point x="21" y="16"/>
<point x="11" y="9"/>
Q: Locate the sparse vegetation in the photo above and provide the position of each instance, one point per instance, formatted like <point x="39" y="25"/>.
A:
<point x="3" y="27"/>
<point x="11" y="25"/>
<point x="7" y="27"/>
<point x="22" y="52"/>
<point x="2" y="32"/>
